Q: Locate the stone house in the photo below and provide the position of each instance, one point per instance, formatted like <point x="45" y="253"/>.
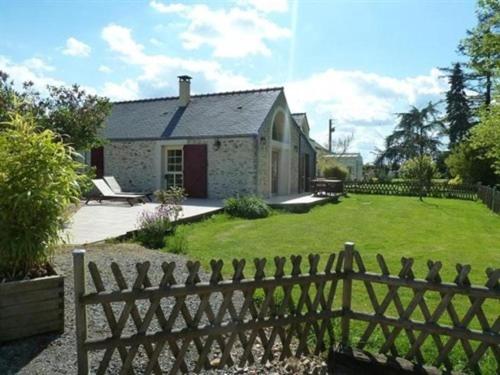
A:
<point x="214" y="145"/>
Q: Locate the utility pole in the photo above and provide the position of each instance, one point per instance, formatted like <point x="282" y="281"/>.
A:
<point x="331" y="129"/>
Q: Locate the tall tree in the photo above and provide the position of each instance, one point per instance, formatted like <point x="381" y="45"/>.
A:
<point x="70" y="112"/>
<point x="458" y="113"/>
<point x="417" y="134"/>
<point x="482" y="47"/>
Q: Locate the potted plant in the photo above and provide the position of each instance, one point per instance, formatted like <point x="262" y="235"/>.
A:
<point x="39" y="179"/>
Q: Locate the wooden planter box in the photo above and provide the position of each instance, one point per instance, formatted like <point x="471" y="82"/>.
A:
<point x="31" y="307"/>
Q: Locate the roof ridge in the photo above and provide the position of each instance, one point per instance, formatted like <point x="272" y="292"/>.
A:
<point x="202" y="95"/>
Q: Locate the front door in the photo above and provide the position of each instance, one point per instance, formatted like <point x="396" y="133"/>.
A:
<point x="195" y="170"/>
<point x="275" y="162"/>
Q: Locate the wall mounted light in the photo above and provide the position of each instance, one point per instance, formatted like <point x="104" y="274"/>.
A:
<point x="217" y="145"/>
<point x="263" y="141"/>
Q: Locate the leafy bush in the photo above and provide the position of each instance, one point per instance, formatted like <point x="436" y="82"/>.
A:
<point x="421" y="169"/>
<point x="249" y="207"/>
<point x="337" y="172"/>
<point x="170" y="201"/>
<point x="153" y="226"/>
<point x="178" y="242"/>
<point x="330" y="168"/>
<point x="152" y="229"/>
<point x="39" y="179"/>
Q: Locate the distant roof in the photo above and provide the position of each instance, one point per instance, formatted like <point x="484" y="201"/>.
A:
<point x="346" y="155"/>
<point x="207" y="115"/>
<point x="319" y="146"/>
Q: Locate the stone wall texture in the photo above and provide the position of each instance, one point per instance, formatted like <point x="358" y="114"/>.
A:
<point x="132" y="163"/>
<point x="232" y="168"/>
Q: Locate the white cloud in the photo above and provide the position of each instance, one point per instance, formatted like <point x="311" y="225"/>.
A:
<point x="361" y="103"/>
<point x="33" y="70"/>
<point x="266" y="6"/>
<point x="38" y="64"/>
<point x="160" y="70"/>
<point x="74" y="47"/>
<point x="105" y="69"/>
<point x="231" y="33"/>
<point x="127" y="90"/>
<point x="170" y="8"/>
<point x="156" y="42"/>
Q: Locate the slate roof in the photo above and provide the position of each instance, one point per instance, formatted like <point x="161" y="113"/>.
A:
<point x="208" y="115"/>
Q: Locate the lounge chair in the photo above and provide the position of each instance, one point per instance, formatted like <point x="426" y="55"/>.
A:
<point x="117" y="189"/>
<point x="107" y="194"/>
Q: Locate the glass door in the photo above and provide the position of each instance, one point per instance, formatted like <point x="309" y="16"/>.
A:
<point x="174" y="168"/>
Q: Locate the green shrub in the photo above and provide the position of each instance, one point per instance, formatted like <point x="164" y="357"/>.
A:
<point x="337" y="172"/>
<point x="178" y="242"/>
<point x="249" y="207"/>
<point x="39" y="179"/>
<point x="153" y="226"/>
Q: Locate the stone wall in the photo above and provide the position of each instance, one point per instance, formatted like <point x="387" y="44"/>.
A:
<point x="232" y="168"/>
<point x="264" y="151"/>
<point x="133" y="164"/>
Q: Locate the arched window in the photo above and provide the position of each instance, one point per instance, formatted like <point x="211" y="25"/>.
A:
<point x="279" y="127"/>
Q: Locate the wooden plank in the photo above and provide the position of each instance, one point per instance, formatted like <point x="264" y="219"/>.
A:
<point x="80" y="311"/>
<point x="180" y="290"/>
<point x="458" y="332"/>
<point x="32" y="307"/>
<point x="206" y="330"/>
<point x="26" y="331"/>
<point x="21" y="286"/>
<point x="475" y="291"/>
<point x="31" y="296"/>
<point x="30" y="319"/>
<point x="346" y="292"/>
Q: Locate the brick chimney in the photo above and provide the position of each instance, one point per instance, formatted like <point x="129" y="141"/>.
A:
<point x="184" y="90"/>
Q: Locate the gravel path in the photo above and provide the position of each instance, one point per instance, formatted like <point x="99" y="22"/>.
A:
<point x="55" y="354"/>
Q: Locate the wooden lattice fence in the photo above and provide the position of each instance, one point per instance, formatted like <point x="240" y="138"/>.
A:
<point x="220" y="322"/>
<point x="490" y="196"/>
<point x="409" y="188"/>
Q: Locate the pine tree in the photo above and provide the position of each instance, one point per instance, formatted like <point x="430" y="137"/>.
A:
<point x="458" y="113"/>
<point x="482" y="47"/>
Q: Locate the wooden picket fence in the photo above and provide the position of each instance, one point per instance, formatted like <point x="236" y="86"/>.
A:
<point x="409" y="188"/>
<point x="291" y="313"/>
<point x="490" y="196"/>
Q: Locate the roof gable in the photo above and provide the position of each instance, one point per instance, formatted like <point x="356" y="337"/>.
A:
<point x="210" y="115"/>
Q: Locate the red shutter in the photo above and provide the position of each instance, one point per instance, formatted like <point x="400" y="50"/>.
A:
<point x="195" y="170"/>
<point x="97" y="161"/>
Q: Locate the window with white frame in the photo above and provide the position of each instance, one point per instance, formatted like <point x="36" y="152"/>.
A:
<point x="174" y="168"/>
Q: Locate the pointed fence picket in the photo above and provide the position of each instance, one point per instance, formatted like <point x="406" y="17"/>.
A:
<point x="289" y="313"/>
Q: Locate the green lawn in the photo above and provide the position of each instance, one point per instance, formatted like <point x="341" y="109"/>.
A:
<point x="448" y="230"/>
<point x="451" y="231"/>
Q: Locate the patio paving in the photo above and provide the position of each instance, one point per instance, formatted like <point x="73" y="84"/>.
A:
<point x="99" y="221"/>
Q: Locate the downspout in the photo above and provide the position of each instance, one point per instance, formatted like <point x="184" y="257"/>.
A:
<point x="299" y="163"/>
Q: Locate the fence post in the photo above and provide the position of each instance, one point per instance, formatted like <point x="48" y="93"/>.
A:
<point x="80" y="311"/>
<point x="346" y="292"/>
<point x="493" y="193"/>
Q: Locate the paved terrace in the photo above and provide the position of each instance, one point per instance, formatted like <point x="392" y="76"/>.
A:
<point x="100" y="221"/>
